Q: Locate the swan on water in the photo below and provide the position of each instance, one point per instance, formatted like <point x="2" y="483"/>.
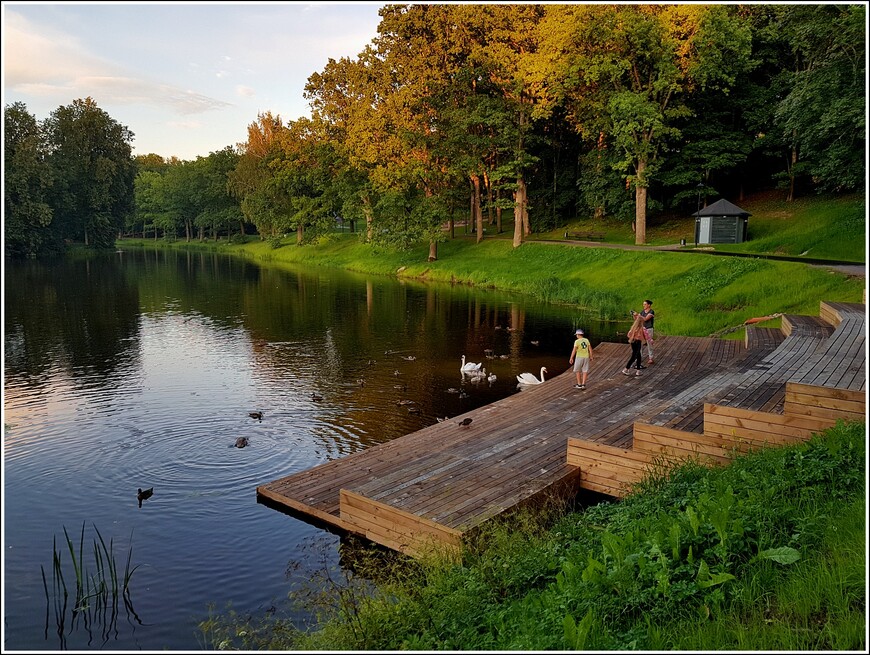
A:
<point x="469" y="367"/>
<point x="528" y="378"/>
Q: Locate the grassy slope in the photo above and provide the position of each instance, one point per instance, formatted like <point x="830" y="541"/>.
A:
<point x="814" y="227"/>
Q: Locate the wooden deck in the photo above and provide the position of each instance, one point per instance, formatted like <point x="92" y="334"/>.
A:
<point x="436" y="485"/>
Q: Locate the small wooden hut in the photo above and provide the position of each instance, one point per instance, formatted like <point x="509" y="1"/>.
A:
<point x="721" y="222"/>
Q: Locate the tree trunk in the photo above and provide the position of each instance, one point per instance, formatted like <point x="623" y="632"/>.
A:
<point x="488" y="183"/>
<point x="242" y="227"/>
<point x="86" y="236"/>
<point x="640" y="204"/>
<point x="498" y="210"/>
<point x="791" y="165"/>
<point x="433" y="250"/>
<point x="367" y="212"/>
<point x="527" y="228"/>
<point x="477" y="215"/>
<point x="602" y="145"/>
<point x="300" y="233"/>
<point x="519" y="205"/>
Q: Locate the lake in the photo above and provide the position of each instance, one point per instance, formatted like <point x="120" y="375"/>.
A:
<point x="138" y="369"/>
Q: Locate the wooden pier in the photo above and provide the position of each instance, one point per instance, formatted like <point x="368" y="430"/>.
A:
<point x="703" y="398"/>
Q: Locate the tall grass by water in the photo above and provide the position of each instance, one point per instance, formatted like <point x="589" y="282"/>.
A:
<point x="96" y="592"/>
<point x="767" y="553"/>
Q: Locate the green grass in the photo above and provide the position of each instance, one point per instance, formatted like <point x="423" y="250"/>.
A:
<point x="767" y="553"/>
<point x="832" y="228"/>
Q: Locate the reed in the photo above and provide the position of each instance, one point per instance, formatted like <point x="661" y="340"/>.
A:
<point x="98" y="585"/>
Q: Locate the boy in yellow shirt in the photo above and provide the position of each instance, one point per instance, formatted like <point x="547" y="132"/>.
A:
<point x="581" y="358"/>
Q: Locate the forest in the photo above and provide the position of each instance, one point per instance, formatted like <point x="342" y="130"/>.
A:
<point x="459" y="113"/>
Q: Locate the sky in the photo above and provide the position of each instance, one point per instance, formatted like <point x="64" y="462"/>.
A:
<point x="186" y="79"/>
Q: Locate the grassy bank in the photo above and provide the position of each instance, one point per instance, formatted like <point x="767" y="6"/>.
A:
<point x="816" y="227"/>
<point x="767" y="553"/>
<point x="694" y="295"/>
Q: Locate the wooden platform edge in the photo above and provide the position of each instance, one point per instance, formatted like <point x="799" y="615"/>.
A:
<point x="293" y="506"/>
<point x="824" y="404"/>
<point x="679" y="445"/>
<point x="749" y="429"/>
<point x="397" y="529"/>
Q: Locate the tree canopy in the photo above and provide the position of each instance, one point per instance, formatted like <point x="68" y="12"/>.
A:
<point x="458" y="112"/>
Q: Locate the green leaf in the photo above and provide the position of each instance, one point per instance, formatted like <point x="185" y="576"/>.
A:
<point x="781" y="555"/>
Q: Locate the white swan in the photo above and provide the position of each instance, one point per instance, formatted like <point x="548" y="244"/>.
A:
<point x="470" y="367"/>
<point x="528" y="378"/>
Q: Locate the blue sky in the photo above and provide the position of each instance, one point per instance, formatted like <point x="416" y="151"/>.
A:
<point x="186" y="79"/>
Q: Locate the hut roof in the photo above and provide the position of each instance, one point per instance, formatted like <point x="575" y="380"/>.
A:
<point x="722" y="208"/>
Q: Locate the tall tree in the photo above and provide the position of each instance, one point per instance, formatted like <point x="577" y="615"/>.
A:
<point x="246" y="182"/>
<point x="91" y="157"/>
<point x="635" y="65"/>
<point x="507" y="36"/>
<point x="822" y="115"/>
<point x="344" y="99"/>
<point x="218" y="211"/>
<point x="26" y="184"/>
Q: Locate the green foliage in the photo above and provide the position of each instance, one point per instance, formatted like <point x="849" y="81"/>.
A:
<point x="26" y="184"/>
<point x="90" y="156"/>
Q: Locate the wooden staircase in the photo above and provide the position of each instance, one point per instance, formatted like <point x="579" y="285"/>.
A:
<point x="819" y="366"/>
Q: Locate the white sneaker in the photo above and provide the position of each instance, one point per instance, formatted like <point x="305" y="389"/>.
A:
<point x="638" y="374"/>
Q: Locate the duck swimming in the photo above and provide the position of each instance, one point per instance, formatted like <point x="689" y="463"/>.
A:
<point x="144" y="494"/>
<point x="256" y="415"/>
<point x="241" y="442"/>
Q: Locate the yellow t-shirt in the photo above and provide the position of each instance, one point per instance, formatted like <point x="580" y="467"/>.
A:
<point x="582" y="347"/>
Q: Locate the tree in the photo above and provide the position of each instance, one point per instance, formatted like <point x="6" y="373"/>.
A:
<point x="90" y="156"/>
<point x="218" y="210"/>
<point x="246" y="182"/>
<point x="26" y="183"/>
<point x="635" y="66"/>
<point x="822" y="116"/>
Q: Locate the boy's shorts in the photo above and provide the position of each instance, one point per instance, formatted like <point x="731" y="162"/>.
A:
<point x="581" y="364"/>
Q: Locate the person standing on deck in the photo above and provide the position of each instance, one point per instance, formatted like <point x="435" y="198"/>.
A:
<point x="636" y="337"/>
<point x="649" y="318"/>
<point x="581" y="358"/>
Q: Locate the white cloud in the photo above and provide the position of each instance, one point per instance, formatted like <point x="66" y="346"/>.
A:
<point x="245" y="91"/>
<point x="50" y="64"/>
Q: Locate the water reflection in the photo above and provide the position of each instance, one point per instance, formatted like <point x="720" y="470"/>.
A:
<point x="141" y="369"/>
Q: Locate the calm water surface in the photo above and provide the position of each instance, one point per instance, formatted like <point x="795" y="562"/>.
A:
<point x="138" y="369"/>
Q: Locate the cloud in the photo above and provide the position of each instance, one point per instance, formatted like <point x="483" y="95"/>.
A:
<point x="51" y="64"/>
<point x="245" y="91"/>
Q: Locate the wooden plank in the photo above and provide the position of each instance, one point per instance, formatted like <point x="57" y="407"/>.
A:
<point x="615" y="459"/>
<point x="383" y="523"/>
<point x="678" y="445"/>
<point x="803" y="399"/>
<point x="759" y="427"/>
